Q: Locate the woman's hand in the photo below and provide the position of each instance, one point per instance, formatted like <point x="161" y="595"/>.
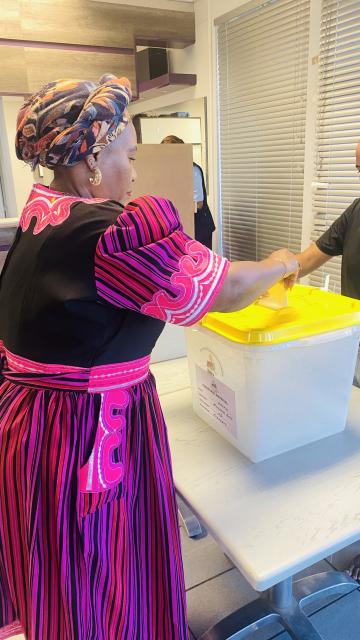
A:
<point x="247" y="281"/>
<point x="291" y="266"/>
<point x="291" y="281"/>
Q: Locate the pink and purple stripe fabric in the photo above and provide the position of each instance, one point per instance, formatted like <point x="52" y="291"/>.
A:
<point x="147" y="263"/>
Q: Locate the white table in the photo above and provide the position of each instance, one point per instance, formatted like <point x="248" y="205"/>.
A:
<point x="274" y="518"/>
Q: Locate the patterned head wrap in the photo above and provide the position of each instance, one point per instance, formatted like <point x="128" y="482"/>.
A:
<point x="69" y="119"/>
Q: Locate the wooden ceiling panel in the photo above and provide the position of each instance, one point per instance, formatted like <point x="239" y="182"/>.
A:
<point x="25" y="70"/>
<point x="44" y="65"/>
<point x="100" y="24"/>
<point x="53" y="30"/>
<point x="10" y="19"/>
<point x="72" y="21"/>
<point x="13" y="77"/>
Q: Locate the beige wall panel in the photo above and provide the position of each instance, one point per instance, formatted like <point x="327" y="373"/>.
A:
<point x="10" y="19"/>
<point x="45" y="65"/>
<point x="13" y="77"/>
<point x="85" y="22"/>
<point x="166" y="170"/>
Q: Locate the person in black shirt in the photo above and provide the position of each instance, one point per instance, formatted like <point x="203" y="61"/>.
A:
<point x="342" y="238"/>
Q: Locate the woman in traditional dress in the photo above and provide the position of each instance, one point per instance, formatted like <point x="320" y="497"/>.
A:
<point x="89" y="539"/>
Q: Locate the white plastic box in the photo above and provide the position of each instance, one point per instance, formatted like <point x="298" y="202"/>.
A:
<point x="269" y="399"/>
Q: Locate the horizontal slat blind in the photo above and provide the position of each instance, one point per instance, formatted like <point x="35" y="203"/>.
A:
<point x="262" y="79"/>
<point x="338" y="124"/>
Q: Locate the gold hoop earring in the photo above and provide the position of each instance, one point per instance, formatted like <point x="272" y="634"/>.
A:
<point x="96" y="178"/>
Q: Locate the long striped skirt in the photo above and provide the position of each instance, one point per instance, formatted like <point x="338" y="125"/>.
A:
<point x="87" y="551"/>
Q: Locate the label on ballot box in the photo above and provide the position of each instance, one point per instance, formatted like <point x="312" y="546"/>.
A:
<point x="216" y="399"/>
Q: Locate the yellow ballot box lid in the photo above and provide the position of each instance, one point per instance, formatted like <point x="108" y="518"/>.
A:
<point x="310" y="311"/>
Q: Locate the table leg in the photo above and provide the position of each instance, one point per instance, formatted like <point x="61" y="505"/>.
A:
<point x="283" y="602"/>
<point x="189" y="520"/>
<point x="277" y="605"/>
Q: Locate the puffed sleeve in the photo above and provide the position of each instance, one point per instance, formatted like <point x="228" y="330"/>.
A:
<point x="145" y="262"/>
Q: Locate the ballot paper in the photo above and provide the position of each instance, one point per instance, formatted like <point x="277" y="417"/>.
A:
<point x="275" y="298"/>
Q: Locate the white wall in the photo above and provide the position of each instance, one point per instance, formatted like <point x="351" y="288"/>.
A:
<point x="17" y="176"/>
<point x="218" y="9"/>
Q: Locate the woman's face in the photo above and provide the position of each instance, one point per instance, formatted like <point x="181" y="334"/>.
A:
<point x="116" y="163"/>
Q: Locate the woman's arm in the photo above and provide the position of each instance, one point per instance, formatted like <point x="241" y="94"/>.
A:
<point x="167" y="275"/>
<point x="247" y="281"/>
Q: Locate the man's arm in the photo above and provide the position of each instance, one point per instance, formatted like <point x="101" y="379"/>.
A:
<point x="310" y="259"/>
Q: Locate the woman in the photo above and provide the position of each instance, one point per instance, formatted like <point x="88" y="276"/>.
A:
<point x="204" y="225"/>
<point x="89" y="541"/>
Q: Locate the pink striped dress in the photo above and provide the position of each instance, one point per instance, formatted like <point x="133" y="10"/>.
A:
<point x="89" y="540"/>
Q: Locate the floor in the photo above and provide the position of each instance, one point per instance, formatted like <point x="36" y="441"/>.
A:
<point x="215" y="588"/>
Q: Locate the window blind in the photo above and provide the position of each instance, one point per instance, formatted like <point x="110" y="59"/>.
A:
<point x="262" y="81"/>
<point x="338" y="123"/>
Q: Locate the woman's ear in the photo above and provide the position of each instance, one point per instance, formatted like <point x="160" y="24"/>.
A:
<point x="91" y="162"/>
<point x="96" y="175"/>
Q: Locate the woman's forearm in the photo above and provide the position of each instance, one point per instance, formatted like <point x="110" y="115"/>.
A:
<point x="247" y="281"/>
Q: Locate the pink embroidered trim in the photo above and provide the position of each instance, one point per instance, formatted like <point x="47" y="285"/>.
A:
<point x="101" y="471"/>
<point x="200" y="276"/>
<point x="113" y="376"/>
<point x="49" y="208"/>
<point x="11" y="630"/>
<point x="24" y="365"/>
<point x="94" y="380"/>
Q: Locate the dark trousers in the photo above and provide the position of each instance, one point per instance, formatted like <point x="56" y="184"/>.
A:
<point x="204" y="227"/>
